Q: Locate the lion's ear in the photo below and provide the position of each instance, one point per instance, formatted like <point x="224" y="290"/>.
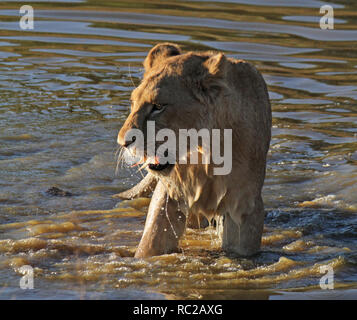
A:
<point x="216" y="66"/>
<point x="159" y="53"/>
<point x="216" y="69"/>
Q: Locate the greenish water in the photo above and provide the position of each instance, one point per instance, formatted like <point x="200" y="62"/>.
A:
<point x="64" y="94"/>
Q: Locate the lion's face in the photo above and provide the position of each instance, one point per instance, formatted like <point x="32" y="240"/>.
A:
<point x="178" y="91"/>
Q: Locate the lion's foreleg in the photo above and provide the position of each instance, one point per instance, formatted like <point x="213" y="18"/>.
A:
<point x="143" y="189"/>
<point x="242" y="233"/>
<point x="164" y="225"/>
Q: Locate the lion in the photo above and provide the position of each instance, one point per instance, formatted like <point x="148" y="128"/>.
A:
<point x="202" y="90"/>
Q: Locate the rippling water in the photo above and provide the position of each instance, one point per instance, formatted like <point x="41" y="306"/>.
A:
<point x="64" y="94"/>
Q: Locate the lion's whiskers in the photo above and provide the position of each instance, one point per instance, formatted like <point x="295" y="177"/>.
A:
<point x="119" y="156"/>
<point x="124" y="155"/>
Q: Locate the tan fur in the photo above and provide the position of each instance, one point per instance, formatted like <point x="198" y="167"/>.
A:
<point x="206" y="90"/>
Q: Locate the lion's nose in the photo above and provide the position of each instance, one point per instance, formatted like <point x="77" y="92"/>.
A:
<point x="126" y="136"/>
<point x="125" y="142"/>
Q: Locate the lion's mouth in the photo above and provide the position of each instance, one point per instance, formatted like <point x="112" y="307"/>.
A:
<point x="153" y="164"/>
<point x="160" y="166"/>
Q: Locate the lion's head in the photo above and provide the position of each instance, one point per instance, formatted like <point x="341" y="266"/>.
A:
<point x="178" y="91"/>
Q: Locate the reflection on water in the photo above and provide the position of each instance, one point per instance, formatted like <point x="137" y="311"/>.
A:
<point x="64" y="89"/>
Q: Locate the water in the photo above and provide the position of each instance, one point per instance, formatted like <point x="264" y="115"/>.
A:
<point x="64" y="90"/>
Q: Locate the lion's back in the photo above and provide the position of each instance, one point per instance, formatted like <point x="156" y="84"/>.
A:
<point x="252" y="99"/>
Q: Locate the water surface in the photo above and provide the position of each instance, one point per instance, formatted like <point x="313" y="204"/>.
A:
<point x="64" y="94"/>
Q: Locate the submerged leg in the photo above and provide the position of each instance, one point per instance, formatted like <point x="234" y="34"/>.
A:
<point x="143" y="189"/>
<point x="242" y="235"/>
<point x="164" y="226"/>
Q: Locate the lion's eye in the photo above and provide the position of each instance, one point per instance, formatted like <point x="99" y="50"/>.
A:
<point x="157" y="108"/>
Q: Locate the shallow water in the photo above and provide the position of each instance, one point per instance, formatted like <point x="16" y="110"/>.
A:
<point x="64" y="94"/>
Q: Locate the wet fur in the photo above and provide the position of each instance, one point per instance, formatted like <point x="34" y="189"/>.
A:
<point x="205" y="90"/>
